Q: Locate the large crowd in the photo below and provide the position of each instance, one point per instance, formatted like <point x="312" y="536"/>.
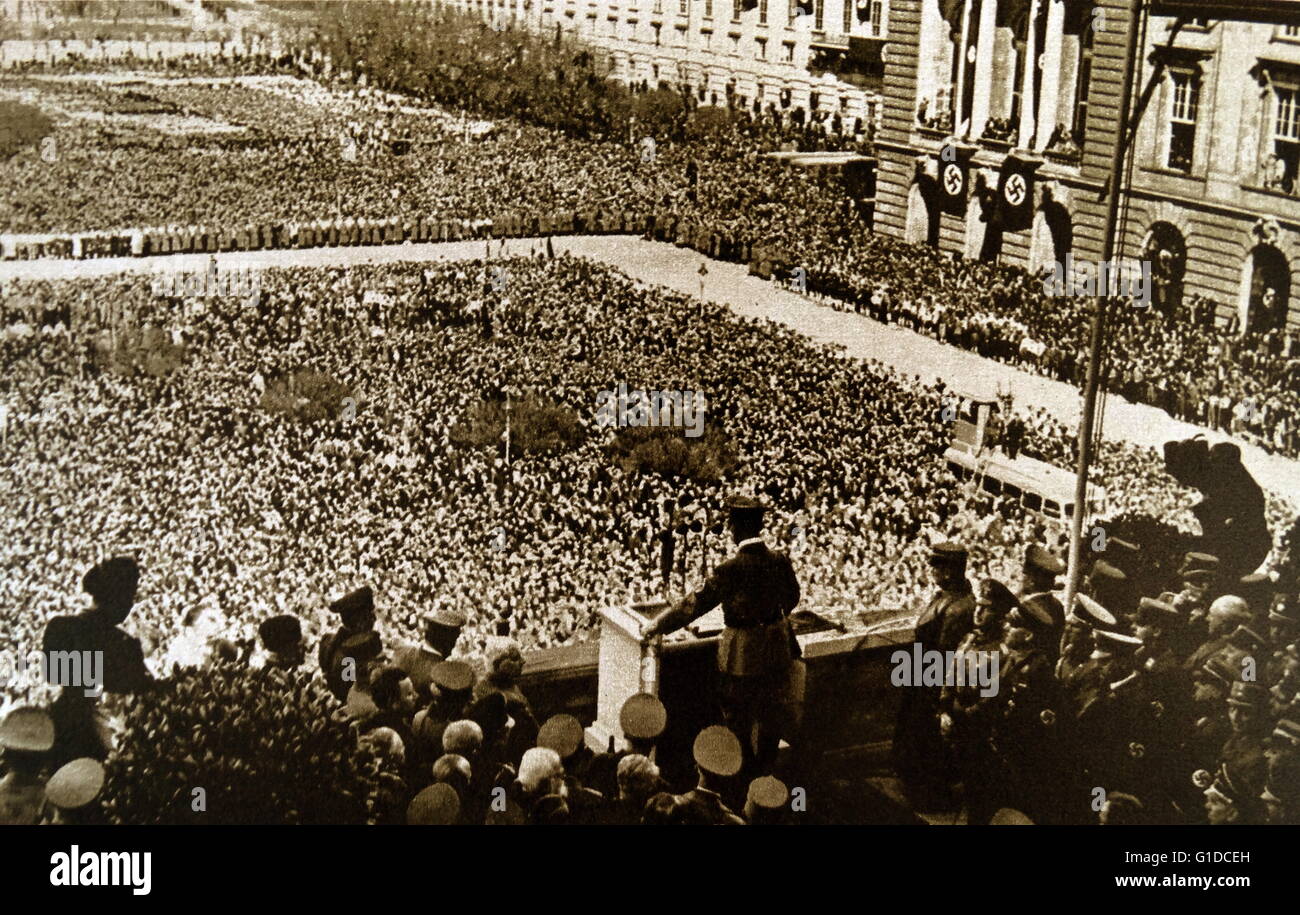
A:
<point x="137" y="424"/>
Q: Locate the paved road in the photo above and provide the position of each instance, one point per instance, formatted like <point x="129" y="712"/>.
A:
<point x="731" y="284"/>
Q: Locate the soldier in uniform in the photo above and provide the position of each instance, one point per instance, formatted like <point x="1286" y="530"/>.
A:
<point x="757" y="589"/>
<point x="718" y="757"/>
<point x="1038" y="577"/>
<point x="352" y="642"/>
<point x="967" y="716"/>
<point x="1028" y="736"/>
<point x="26" y="736"/>
<point x="112" y="587"/>
<point x="1247" y="716"/>
<point x="918" y="750"/>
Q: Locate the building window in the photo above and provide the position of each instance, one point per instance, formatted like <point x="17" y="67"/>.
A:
<point x="1185" y="100"/>
<point x="819" y="10"/>
<point x="760" y="48"/>
<point x="847" y="18"/>
<point x="735" y="10"/>
<point x="708" y="9"/>
<point x="1084" y="83"/>
<point x="1291" y="32"/>
<point x="1284" y="168"/>
<point x="762" y="12"/>
<point x="788" y="52"/>
<point x="684" y="7"/>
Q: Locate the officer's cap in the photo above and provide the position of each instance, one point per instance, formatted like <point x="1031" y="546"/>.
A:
<point x="437" y="805"/>
<point x="1157" y="611"/>
<point x="1040" y="560"/>
<point x="1118" y="640"/>
<point x="28" y="729"/>
<point x="1090" y="612"/>
<point x="643" y="717"/>
<point x="75" y="784"/>
<point x="717" y="751"/>
<point x="1035" y="613"/>
<point x="453" y="676"/>
<point x="561" y="733"/>
<point x="1248" y="695"/>
<point x="947" y="554"/>
<point x="112" y="580"/>
<point x="767" y="793"/>
<point x="362" y="600"/>
<point x="1104" y="571"/>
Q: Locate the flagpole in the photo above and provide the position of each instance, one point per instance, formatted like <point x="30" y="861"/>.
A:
<point x="1097" y="341"/>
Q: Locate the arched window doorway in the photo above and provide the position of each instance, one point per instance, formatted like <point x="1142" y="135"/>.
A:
<point x="1167" y="252"/>
<point x="1268" y="292"/>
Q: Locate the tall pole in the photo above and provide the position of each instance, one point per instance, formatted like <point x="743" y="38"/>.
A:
<point x="1099" y="313"/>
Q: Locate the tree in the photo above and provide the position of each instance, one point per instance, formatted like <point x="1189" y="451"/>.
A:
<point x="230" y="745"/>
<point x="668" y="452"/>
<point x="537" y="426"/>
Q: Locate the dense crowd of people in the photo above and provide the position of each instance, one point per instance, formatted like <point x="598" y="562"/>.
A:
<point x="139" y="424"/>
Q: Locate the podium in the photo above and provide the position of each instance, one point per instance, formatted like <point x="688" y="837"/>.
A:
<point x="623" y="668"/>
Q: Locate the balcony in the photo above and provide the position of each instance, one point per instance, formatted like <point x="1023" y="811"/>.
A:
<point x="831" y="41"/>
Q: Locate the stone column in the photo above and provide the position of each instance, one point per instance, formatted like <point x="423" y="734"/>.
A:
<point x="959" y="90"/>
<point x="1027" y="100"/>
<point x="983" y="67"/>
<point x="1051" y="84"/>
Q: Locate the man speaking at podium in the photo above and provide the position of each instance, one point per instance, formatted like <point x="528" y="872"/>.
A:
<point x="756" y="655"/>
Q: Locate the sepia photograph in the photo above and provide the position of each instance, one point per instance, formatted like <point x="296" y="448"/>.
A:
<point x="854" y="413"/>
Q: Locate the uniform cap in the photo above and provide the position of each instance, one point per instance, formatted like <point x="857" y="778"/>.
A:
<point x="1285" y="611"/>
<point x="1229" y="786"/>
<point x="993" y="593"/>
<point x="28" y="729"/>
<point x="1157" y="610"/>
<point x="717" y="751"/>
<point x="643" y="717"/>
<point x="417" y="662"/>
<point x="1248" y="695"/>
<point x="767" y="793"/>
<point x="1009" y="816"/>
<point x="1103" y="570"/>
<point x="740" y="502"/>
<point x="76" y="784"/>
<point x="1287" y="729"/>
<point x="561" y="733"/>
<point x="1118" y="640"/>
<point x="359" y="704"/>
<point x="359" y="601"/>
<point x="1040" y="560"/>
<point x="1193" y="561"/>
<point x="442" y="629"/>
<point x="437" y="805"/>
<point x="1124" y="545"/>
<point x="947" y="553"/>
<point x="1220" y="671"/>
<point x="281" y="634"/>
<point x="113" y="579"/>
<point x="1282" y="785"/>
<point x="362" y="647"/>
<point x="453" y="676"/>
<point x="1036" y="613"/>
<point x="1245" y="637"/>
<point x="1093" y="614"/>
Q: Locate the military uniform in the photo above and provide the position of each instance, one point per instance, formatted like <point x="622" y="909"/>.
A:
<point x="757" y="589"/>
<point x="919" y="755"/>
